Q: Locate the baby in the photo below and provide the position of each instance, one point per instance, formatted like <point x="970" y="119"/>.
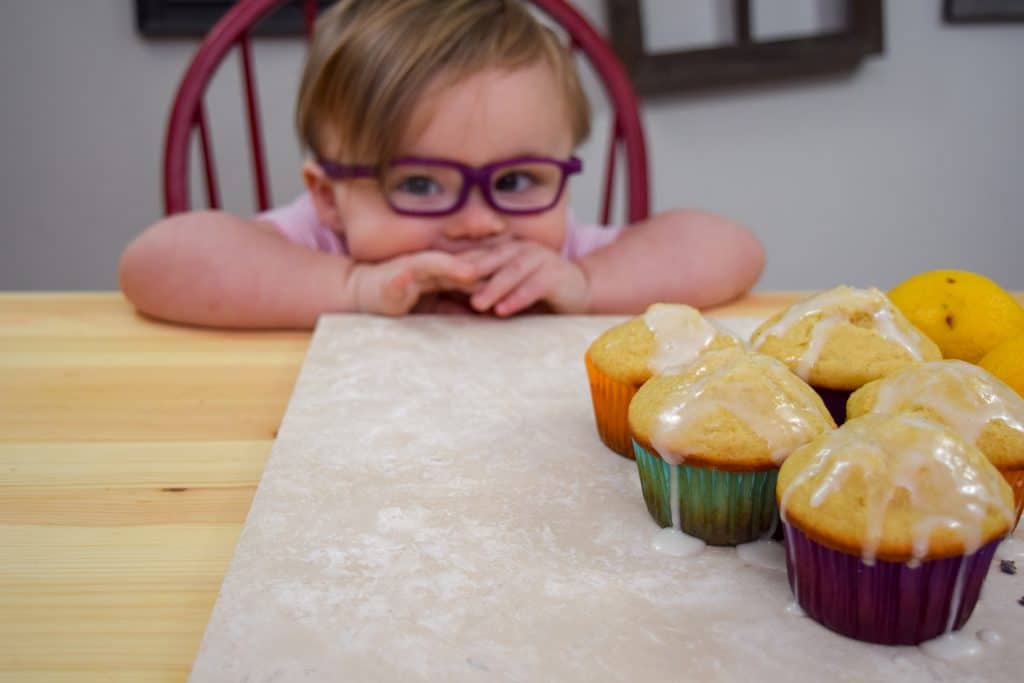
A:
<point x="440" y="136"/>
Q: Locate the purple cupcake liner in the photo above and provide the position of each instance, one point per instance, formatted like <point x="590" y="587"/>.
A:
<point x="835" y="401"/>
<point x="888" y="602"/>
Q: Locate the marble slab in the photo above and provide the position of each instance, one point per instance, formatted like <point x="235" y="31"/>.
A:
<point x="438" y="507"/>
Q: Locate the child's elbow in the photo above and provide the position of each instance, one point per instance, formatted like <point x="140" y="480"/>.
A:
<point x="731" y="257"/>
<point x="750" y="259"/>
<point x="132" y="267"/>
<point x="143" y="263"/>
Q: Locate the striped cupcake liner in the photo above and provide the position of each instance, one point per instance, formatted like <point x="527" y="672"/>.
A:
<point x="1015" y="478"/>
<point x="719" y="507"/>
<point x="835" y="401"/>
<point x="887" y="602"/>
<point x="611" y="408"/>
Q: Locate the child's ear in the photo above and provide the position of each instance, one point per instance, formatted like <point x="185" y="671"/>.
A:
<point x="322" y="191"/>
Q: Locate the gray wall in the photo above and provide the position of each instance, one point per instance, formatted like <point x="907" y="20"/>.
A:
<point x="913" y="162"/>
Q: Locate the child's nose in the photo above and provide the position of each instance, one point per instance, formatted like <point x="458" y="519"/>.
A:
<point x="476" y="220"/>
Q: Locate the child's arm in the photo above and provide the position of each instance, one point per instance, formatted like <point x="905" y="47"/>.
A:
<point x="215" y="269"/>
<point x="679" y="256"/>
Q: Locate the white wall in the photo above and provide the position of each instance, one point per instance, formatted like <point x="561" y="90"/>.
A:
<point x="914" y="161"/>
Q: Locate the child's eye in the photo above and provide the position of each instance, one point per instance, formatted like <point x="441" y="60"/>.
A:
<point x="514" y="181"/>
<point x="418" y="184"/>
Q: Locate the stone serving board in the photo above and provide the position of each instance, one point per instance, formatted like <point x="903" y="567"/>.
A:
<point x="438" y="507"/>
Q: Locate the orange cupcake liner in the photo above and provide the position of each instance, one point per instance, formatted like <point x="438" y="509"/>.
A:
<point x="611" y="409"/>
<point x="1015" y="478"/>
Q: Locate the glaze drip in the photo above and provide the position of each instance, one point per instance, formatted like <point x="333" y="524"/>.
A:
<point x="756" y="389"/>
<point x="906" y="465"/>
<point x="840" y="306"/>
<point x="681" y="334"/>
<point x="961" y="395"/>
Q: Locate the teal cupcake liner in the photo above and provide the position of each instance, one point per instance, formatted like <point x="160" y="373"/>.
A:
<point x="719" y="507"/>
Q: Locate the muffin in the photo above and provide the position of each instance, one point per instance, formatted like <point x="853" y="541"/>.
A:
<point x="891" y="522"/>
<point x="627" y="355"/>
<point x="709" y="439"/>
<point x="841" y="339"/>
<point x="975" y="404"/>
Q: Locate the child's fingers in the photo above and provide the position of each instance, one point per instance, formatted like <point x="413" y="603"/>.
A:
<point x="489" y="261"/>
<point x="506" y="279"/>
<point x="437" y="270"/>
<point x="399" y="293"/>
<point x="528" y="292"/>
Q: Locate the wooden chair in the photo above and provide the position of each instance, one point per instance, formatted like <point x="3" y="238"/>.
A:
<point x="188" y="112"/>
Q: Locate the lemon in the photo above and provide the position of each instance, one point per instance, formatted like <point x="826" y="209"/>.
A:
<point x="966" y="314"/>
<point x="1006" y="361"/>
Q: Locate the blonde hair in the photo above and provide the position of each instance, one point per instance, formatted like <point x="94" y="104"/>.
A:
<point x="370" y="61"/>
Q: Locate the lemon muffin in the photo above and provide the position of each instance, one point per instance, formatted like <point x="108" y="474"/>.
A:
<point x="891" y="522"/>
<point x="841" y="339"/>
<point x="709" y="440"/>
<point x="977" y="405"/>
<point x="627" y="355"/>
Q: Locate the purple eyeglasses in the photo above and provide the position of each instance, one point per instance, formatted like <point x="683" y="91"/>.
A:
<point x="426" y="186"/>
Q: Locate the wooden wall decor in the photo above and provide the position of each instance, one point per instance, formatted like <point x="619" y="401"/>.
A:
<point x="747" y="59"/>
<point x="982" y="11"/>
<point x="194" y="18"/>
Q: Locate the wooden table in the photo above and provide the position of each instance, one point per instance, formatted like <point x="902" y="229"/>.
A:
<point x="129" y="454"/>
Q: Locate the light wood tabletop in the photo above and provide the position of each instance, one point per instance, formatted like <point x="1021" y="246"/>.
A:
<point x="130" y="451"/>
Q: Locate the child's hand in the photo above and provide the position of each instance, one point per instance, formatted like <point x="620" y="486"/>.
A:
<point x="393" y="287"/>
<point x="524" y="273"/>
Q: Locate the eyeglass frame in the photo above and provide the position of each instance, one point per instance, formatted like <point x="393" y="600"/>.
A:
<point x="472" y="176"/>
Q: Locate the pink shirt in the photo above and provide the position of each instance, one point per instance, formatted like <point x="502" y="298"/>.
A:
<point x="298" y="223"/>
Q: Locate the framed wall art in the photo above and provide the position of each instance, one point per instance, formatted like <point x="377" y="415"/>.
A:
<point x="747" y="55"/>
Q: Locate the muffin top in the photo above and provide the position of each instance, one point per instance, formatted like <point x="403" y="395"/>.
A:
<point x="843" y="338"/>
<point x="901" y="488"/>
<point x="731" y="410"/>
<point x="664" y="337"/>
<point x="977" y="405"/>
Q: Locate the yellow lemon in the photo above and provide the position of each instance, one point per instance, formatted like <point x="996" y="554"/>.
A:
<point x="966" y="314"/>
<point x="1006" y="361"/>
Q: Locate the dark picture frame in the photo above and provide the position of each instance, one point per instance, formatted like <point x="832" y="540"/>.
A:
<point x="746" y="60"/>
<point x="982" y="11"/>
<point x="194" y="18"/>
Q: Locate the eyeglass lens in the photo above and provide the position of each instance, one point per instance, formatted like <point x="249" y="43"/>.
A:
<point x="516" y="187"/>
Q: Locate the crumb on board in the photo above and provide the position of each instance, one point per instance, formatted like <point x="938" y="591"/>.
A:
<point x="1008" y="566"/>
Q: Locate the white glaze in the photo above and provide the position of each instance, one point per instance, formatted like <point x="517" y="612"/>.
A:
<point x="834" y="306"/>
<point x="681" y="333"/>
<point x="951" y="647"/>
<point x="672" y="541"/>
<point x="990" y="637"/>
<point x="794" y="609"/>
<point x="961" y="395"/>
<point x="958" y="593"/>
<point x="819" y="335"/>
<point x="771" y="414"/>
<point x="898" y="452"/>
<point x="766" y="554"/>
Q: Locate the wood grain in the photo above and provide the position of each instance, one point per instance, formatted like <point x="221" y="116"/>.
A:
<point x="129" y="454"/>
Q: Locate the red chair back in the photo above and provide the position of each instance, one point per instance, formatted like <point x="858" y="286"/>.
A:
<point x="188" y="112"/>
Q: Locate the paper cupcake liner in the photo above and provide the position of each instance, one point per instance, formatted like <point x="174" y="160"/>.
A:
<point x="835" y="401"/>
<point x="887" y="602"/>
<point x="611" y="408"/>
<point x="720" y="507"/>
<point x="1015" y="478"/>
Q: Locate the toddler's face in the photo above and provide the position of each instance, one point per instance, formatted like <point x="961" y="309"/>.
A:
<point x="491" y="116"/>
